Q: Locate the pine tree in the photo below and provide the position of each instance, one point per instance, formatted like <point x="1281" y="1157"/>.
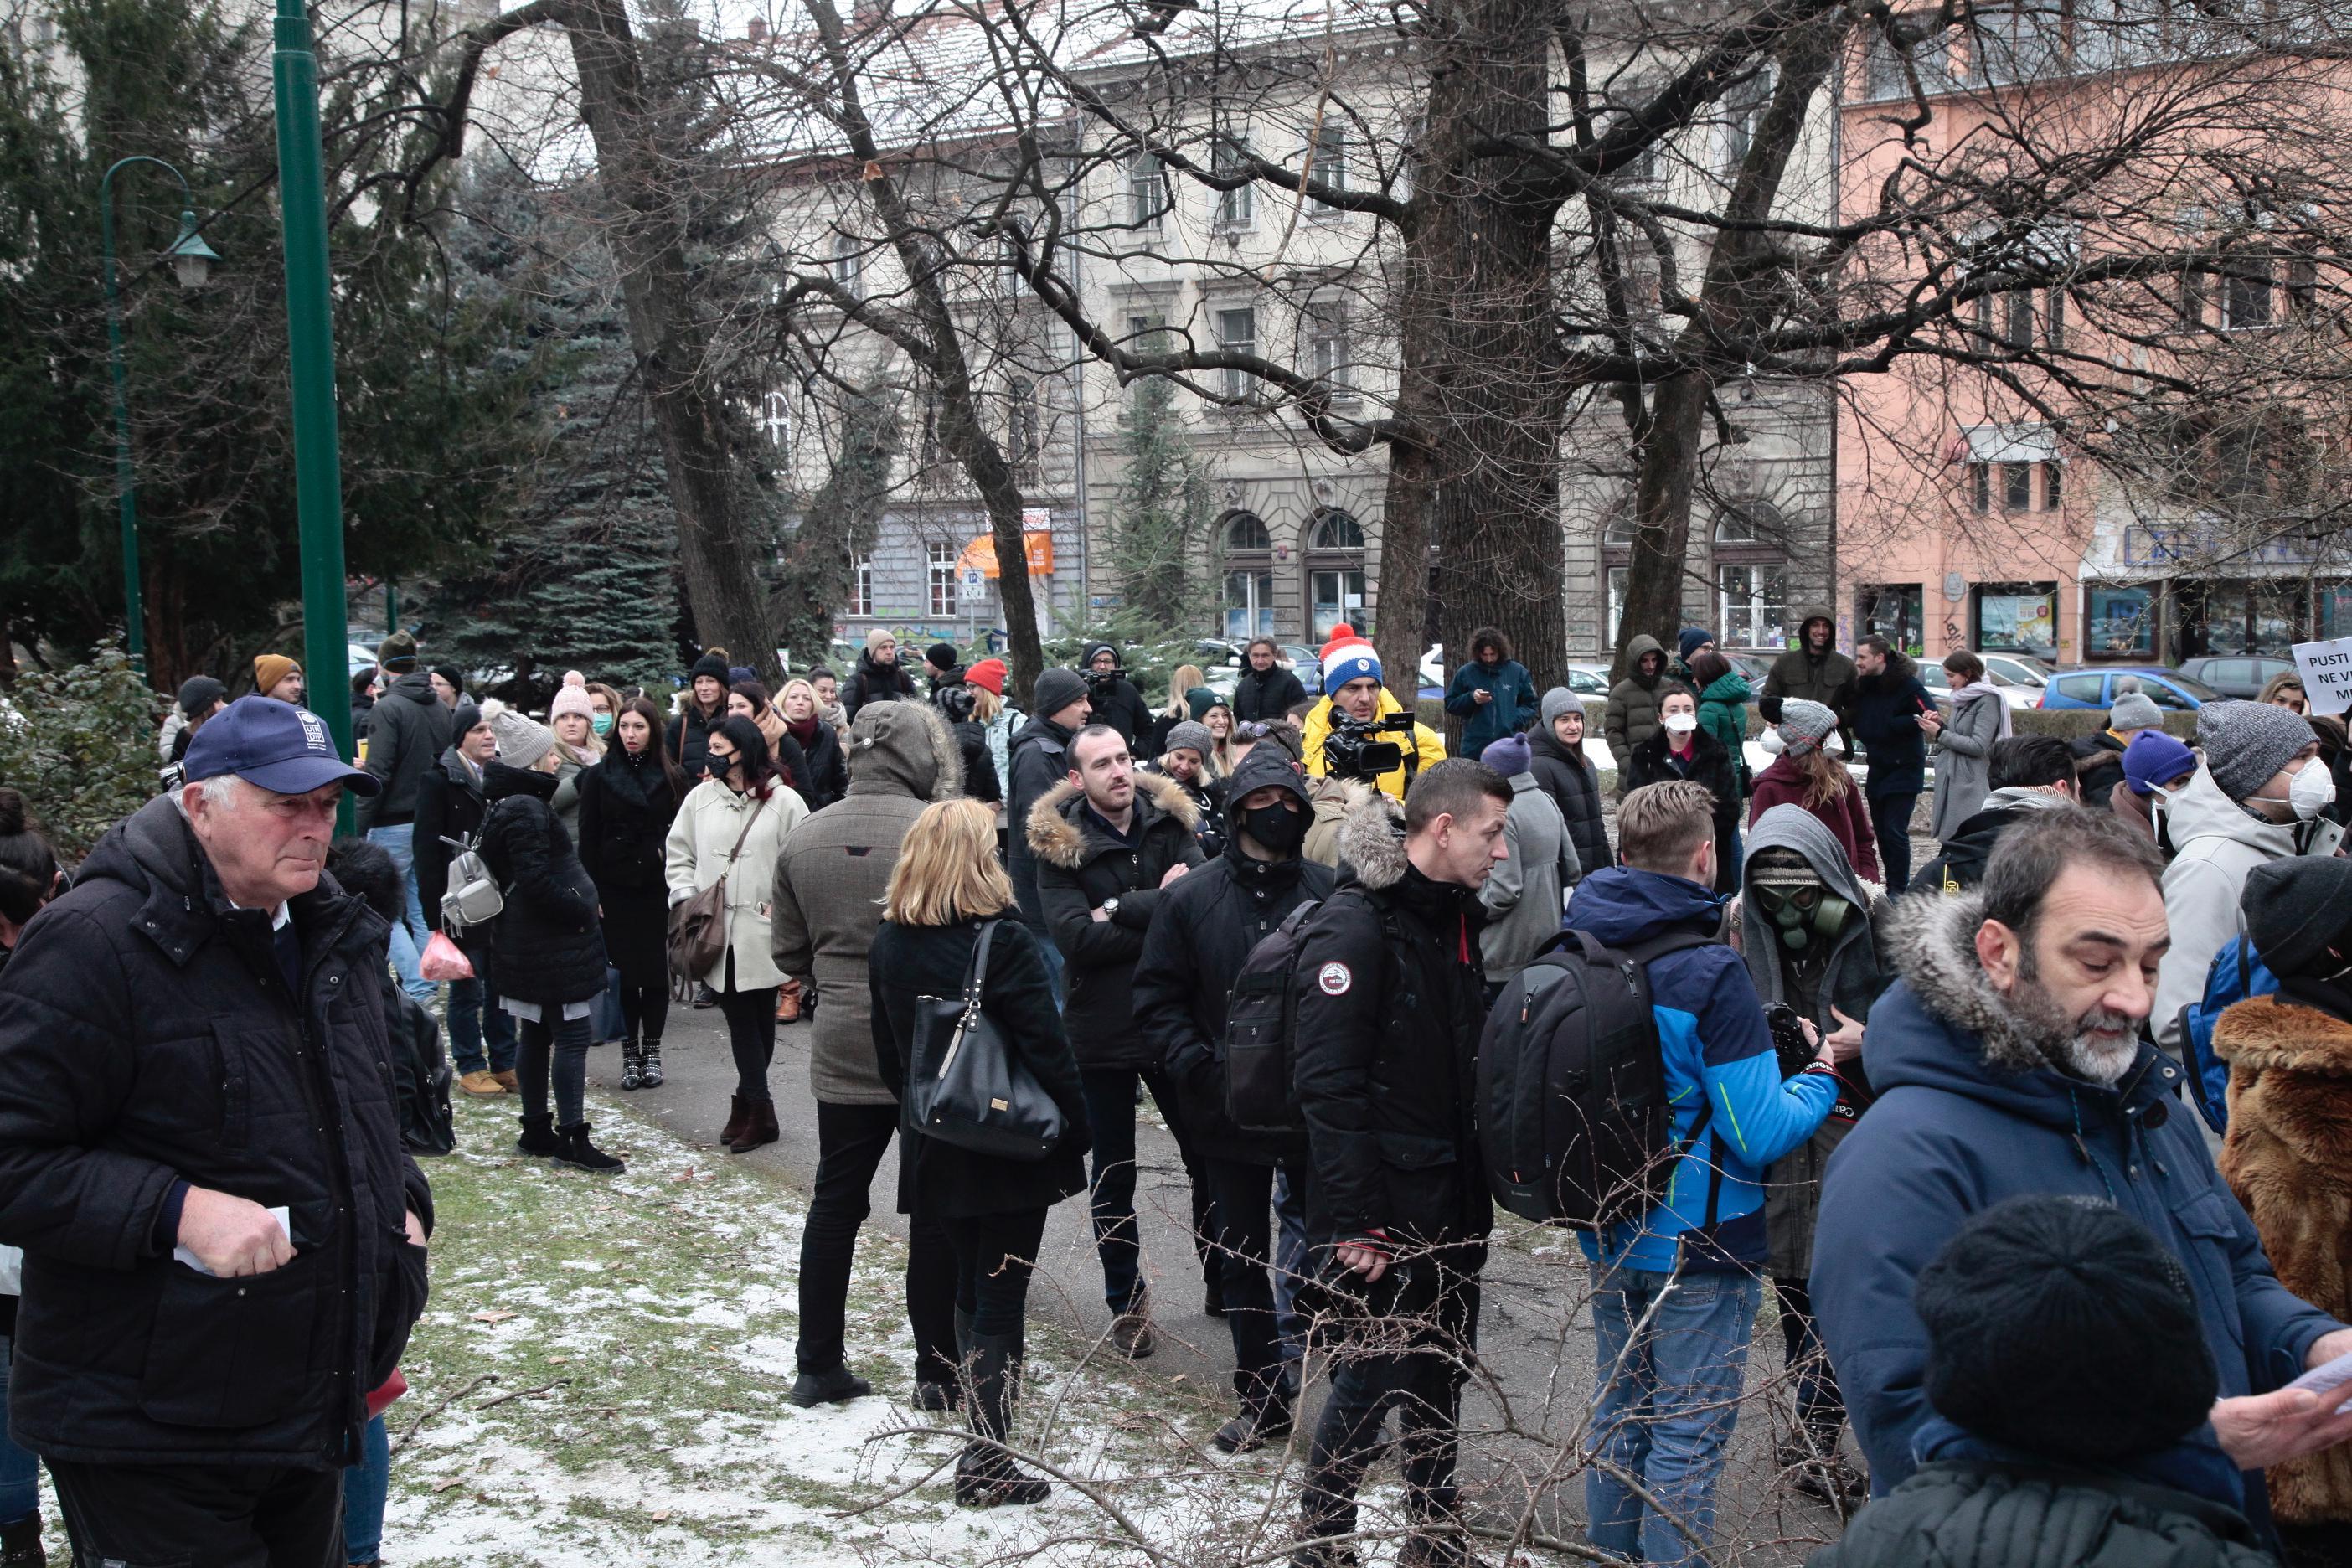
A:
<point x="1163" y="512"/>
<point x="839" y="524"/>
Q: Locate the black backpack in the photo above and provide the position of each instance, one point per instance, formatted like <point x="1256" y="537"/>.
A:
<point x="420" y="1076"/>
<point x="1260" y="1014"/>
<point x="1573" y="1120"/>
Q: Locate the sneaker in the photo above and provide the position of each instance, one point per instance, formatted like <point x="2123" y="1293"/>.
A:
<point x="1131" y="1333"/>
<point x="838" y="1386"/>
<point x="481" y="1083"/>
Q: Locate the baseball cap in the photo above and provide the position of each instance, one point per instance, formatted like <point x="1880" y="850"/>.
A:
<point x="275" y="746"/>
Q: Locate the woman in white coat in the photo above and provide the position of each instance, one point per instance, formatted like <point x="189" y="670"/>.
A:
<point x="731" y="825"/>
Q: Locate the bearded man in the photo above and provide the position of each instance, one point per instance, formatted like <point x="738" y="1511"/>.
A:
<point x="2009" y="1059"/>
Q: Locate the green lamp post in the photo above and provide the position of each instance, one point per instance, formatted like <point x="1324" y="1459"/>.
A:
<point x="192" y="260"/>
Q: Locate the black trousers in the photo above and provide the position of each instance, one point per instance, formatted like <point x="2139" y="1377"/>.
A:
<point x="994" y="1256"/>
<point x="201" y="1516"/>
<point x="553" y="1054"/>
<point x="1110" y="1111"/>
<point x="850" y="1143"/>
<point x="750" y="1033"/>
<point x="1890" y="816"/>
<point x="1241" y="1202"/>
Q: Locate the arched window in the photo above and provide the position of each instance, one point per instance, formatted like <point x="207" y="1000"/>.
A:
<point x="1751" y="575"/>
<point x="1335" y="573"/>
<point x="1249" y="576"/>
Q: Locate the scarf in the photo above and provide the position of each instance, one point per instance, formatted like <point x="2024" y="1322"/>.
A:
<point x="802" y="730"/>
<point x="1988" y="692"/>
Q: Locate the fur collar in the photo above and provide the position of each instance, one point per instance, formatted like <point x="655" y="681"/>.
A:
<point x="1933" y="938"/>
<point x="2270" y="1033"/>
<point x="1057" y="835"/>
<point x="1371" y="837"/>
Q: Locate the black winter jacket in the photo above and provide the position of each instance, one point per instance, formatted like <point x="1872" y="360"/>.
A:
<point x="1569" y="777"/>
<point x="940" y="1179"/>
<point x="1080" y="866"/>
<point x="1269" y="695"/>
<point x="827" y="772"/>
<point x="625" y="807"/>
<point x="1711" y="765"/>
<point x="147" y="1038"/>
<point x="450" y="804"/>
<point x="2098" y="765"/>
<point x="1120" y="705"/>
<point x="1037" y="760"/>
<point x="872" y="682"/>
<point x="688" y="739"/>
<point x="1391" y="1001"/>
<point x="980" y="780"/>
<point x="1886" y="710"/>
<point x="408" y="732"/>
<point x="1200" y="937"/>
<point x="547" y="942"/>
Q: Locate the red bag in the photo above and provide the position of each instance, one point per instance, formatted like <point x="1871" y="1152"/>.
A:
<point x="444" y="960"/>
<point x="393" y="1386"/>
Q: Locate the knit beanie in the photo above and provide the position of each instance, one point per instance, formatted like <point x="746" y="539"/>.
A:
<point x="1355" y="662"/>
<point x="1056" y="689"/>
<point x="2245" y="743"/>
<point x="2154" y="758"/>
<point x="1557" y="702"/>
<point x="737" y="674"/>
<point x="1199" y="699"/>
<point x="1341" y="636"/>
<point x="1804" y="725"/>
<point x="988" y="672"/>
<point x="1508" y="755"/>
<point x="199" y="692"/>
<point x="713" y="665"/>
<point x="571" y="697"/>
<point x="941" y="656"/>
<point x="2135" y="711"/>
<point x="522" y="739"/>
<point x="1193" y="735"/>
<point x="1690" y="639"/>
<point x="2061" y="1326"/>
<point x="2296" y="908"/>
<point x="876" y="635"/>
<point x="269" y="669"/>
<point x="464" y="720"/>
<point x="452" y="674"/>
<point x="397" y="654"/>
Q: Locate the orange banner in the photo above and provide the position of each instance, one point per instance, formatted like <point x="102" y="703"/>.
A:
<point x="982" y="552"/>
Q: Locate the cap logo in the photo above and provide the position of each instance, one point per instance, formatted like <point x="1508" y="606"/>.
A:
<point x="314" y="730"/>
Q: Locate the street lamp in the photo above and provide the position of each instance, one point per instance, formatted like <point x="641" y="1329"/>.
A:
<point x="192" y="260"/>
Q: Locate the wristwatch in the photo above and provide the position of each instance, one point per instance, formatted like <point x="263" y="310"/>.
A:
<point x="1110" y="906"/>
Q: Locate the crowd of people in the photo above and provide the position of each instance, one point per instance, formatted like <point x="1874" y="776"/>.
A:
<point x="1961" y="1125"/>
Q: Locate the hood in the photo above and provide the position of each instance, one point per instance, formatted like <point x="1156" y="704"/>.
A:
<point x="2202" y="811"/>
<point x="1372" y="837"/>
<point x="1806" y="617"/>
<point x="154" y="852"/>
<point x="1266" y="768"/>
<point x="499" y="781"/>
<point x="2022" y="797"/>
<point x="1731" y="688"/>
<point x="1057" y="833"/>
<point x="905" y="749"/>
<point x="1644" y="643"/>
<point x="1086" y="654"/>
<point x="1794" y="827"/>
<point x="1619" y="904"/>
<point x="2299" y="1058"/>
<point x="417" y="687"/>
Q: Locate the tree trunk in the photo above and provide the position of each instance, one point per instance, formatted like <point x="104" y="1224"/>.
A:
<point x="721" y="556"/>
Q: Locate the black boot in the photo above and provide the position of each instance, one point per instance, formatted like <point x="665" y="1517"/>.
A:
<point x="633" y="1074"/>
<point x="20" y="1543"/>
<point x="539" y="1136"/>
<point x="577" y="1150"/>
<point x="1265" y="1413"/>
<point x="649" y="1071"/>
<point x="934" y="1393"/>
<point x="985" y="1476"/>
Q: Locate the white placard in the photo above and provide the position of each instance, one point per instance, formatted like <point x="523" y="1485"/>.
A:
<point x="2327" y="671"/>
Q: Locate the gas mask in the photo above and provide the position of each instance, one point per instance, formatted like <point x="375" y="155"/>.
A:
<point x="1805" y="913"/>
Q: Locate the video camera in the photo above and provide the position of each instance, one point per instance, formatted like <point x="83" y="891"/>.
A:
<point x="1354" y="750"/>
<point x="1097" y="679"/>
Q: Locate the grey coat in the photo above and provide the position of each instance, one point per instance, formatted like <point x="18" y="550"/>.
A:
<point x="1525" y="895"/>
<point x="1963" y="754"/>
<point x="830" y="874"/>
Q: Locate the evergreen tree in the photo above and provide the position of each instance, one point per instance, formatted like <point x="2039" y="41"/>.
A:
<point x="838" y="524"/>
<point x="1163" y="512"/>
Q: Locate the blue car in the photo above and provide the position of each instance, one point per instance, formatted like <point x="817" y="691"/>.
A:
<point x="2095" y="687"/>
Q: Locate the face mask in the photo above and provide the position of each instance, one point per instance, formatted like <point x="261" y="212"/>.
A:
<point x="1803" y="914"/>
<point x="601" y="723"/>
<point x="1681" y="723"/>
<point x="1277" y="827"/>
<point x="2310" y="791"/>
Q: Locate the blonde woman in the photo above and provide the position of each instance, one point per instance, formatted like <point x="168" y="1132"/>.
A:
<point x="825" y="777"/>
<point x="731" y="825"/>
<point x="572" y="717"/>
<point x="1189" y="697"/>
<point x="1219" y="721"/>
<point x="947" y="886"/>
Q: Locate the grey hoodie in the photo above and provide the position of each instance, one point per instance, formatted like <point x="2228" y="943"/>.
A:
<point x="2216" y="842"/>
<point x="1525" y="894"/>
<point x="1794" y="827"/>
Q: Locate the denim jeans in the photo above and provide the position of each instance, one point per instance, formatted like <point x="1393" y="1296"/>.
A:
<point x="476" y="1019"/>
<point x="1290" y="1267"/>
<point x="554" y="1053"/>
<point x="20" y="1473"/>
<point x="1890" y="819"/>
<point x="408" y="934"/>
<point x="365" y="1487"/>
<point x="1666" y="1404"/>
<point x="1052" y="957"/>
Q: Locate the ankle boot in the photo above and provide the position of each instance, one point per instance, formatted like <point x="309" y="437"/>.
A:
<point x="577" y="1150"/>
<point x="633" y="1072"/>
<point x="649" y="1071"/>
<point x="539" y="1136"/>
<point x="738" y="1115"/>
<point x="760" y="1127"/>
<point x="1265" y="1413"/>
<point x="985" y="1476"/>
<point x="20" y="1542"/>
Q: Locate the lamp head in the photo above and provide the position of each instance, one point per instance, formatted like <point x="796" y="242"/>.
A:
<point x="191" y="259"/>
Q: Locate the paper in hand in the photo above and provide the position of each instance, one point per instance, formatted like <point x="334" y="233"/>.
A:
<point x="286" y="1227"/>
<point x="2321" y="1379"/>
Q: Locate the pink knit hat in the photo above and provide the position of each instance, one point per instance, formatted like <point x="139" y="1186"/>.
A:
<point x="571" y="697"/>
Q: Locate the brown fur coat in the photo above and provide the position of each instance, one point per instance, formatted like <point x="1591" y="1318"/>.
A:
<point x="2288" y="1157"/>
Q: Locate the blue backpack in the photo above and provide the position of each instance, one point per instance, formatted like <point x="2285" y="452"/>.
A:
<point x="2237" y="972"/>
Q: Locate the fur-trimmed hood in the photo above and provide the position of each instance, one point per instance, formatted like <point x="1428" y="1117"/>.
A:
<point x="1057" y="833"/>
<point x="904" y="748"/>
<point x="2266" y="1033"/>
<point x="1933" y="943"/>
<point x="1371" y="837"/>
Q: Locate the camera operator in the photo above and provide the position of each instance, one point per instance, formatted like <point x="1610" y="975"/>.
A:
<point x="953" y="699"/>
<point x="1369" y="736"/>
<point x="1115" y="699"/>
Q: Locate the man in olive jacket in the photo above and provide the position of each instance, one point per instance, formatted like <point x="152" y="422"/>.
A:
<point x="193" y="1045"/>
<point x="1632" y="716"/>
<point x="1813" y="669"/>
<point x="1107" y="839"/>
<point x="830" y="874"/>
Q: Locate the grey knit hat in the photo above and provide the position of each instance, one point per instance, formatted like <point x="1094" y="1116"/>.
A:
<point x="522" y="739"/>
<point x="1191" y="736"/>
<point x="1804" y="725"/>
<point x="1557" y="702"/>
<point x="2135" y="711"/>
<point x="2245" y="743"/>
<point x="1056" y="689"/>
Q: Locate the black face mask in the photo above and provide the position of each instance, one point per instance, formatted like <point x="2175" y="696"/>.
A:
<point x="1276" y="828"/>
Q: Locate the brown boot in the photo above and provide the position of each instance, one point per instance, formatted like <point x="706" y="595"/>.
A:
<point x="788" y="1002"/>
<point x="739" y="1113"/>
<point x="508" y="1080"/>
<point x="481" y="1083"/>
<point x="760" y="1129"/>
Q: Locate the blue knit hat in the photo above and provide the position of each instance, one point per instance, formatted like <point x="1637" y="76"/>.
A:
<point x="1691" y="639"/>
<point x="1354" y="662"/>
<point x="1508" y="755"/>
<point x="2154" y="758"/>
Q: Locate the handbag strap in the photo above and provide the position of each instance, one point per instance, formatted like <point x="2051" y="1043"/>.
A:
<point x="757" y="807"/>
<point x="975" y="979"/>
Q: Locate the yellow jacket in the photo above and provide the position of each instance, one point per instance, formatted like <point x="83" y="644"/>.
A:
<point x="1426" y="741"/>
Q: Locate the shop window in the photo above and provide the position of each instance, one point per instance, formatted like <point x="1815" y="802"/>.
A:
<point x="2016" y="617"/>
<point x="1894" y="611"/>
<point x="2118" y="620"/>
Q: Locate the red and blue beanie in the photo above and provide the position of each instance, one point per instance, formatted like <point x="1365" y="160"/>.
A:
<point x="1354" y="663"/>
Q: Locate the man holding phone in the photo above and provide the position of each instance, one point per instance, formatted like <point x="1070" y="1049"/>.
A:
<point x="1888" y="703"/>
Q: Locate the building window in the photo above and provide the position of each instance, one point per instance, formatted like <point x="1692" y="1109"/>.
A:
<point x="776" y="420"/>
<point x="1895" y="611"/>
<point x="861" y="585"/>
<point x="1744" y="108"/>
<point x="1752" y="605"/>
<point x="939" y="575"/>
<point x="2017" y="617"/>
<point x="1249" y="575"/>
<point x="2053" y="486"/>
<point x="2054" y="319"/>
<point x="1024" y="441"/>
<point x="1238" y="333"/>
<point x="2246" y="294"/>
<point x="1335" y="573"/>
<point x="2192" y="300"/>
<point x="1147" y="196"/>
<point x="1619" y="579"/>
<point x="1883" y="72"/>
<point x="2016" y="487"/>
<point x="1237" y="207"/>
<point x="1327" y="356"/>
<point x="2017" y="320"/>
<point x="1327" y="165"/>
<point x="2118" y="622"/>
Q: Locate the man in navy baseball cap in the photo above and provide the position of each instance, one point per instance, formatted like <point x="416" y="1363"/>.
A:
<point x="275" y="746"/>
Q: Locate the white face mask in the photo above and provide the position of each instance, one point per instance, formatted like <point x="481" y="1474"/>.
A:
<point x="1681" y="723"/>
<point x="2310" y="790"/>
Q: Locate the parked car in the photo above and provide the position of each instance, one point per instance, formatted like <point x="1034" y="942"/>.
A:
<point x="1588" y="679"/>
<point x="2236" y="674"/>
<point x="1933" y="676"/>
<point x="2018" y="669"/>
<point x="2077" y="686"/>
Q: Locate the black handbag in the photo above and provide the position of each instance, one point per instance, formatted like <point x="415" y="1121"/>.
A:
<point x="969" y="1090"/>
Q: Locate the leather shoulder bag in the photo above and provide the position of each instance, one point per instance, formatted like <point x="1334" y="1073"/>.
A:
<point x="968" y="1089"/>
<point x="698" y="927"/>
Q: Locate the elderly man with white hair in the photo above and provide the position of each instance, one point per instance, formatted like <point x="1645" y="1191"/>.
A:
<point x="200" y="1155"/>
